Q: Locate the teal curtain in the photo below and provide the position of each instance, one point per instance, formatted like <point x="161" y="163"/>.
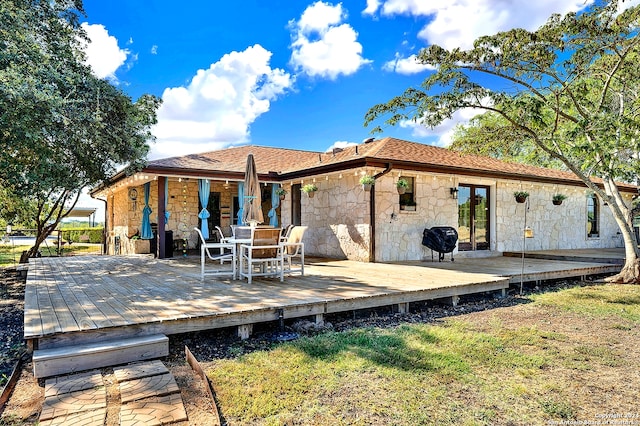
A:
<point x="146" y="232"/>
<point x="204" y="187"/>
<point x="166" y="199"/>
<point x="275" y="203"/>
<point x="240" y="202"/>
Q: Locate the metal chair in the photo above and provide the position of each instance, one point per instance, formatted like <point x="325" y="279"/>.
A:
<point x="221" y="239"/>
<point x="263" y="257"/>
<point x="224" y="255"/>
<point x="293" y="248"/>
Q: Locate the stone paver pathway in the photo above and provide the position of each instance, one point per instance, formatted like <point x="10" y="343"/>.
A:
<point x="148" y="392"/>
<point x="78" y="399"/>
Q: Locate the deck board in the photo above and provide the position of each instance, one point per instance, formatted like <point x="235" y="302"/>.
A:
<point x="70" y="298"/>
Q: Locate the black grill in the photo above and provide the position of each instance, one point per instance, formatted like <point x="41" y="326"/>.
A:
<point x="442" y="239"/>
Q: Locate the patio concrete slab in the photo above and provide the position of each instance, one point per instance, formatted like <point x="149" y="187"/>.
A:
<point x="153" y="411"/>
<point x="59" y="404"/>
<point x="134" y="390"/>
<point x="88" y="418"/>
<point x="140" y="371"/>
<point x="73" y="383"/>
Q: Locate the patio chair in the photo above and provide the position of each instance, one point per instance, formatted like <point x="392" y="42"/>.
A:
<point x="263" y="257"/>
<point x="284" y="234"/>
<point x="293" y="248"/>
<point x="224" y="255"/>
<point x="221" y="239"/>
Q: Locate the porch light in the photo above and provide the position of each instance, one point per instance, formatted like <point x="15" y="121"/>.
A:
<point x="454" y="193"/>
<point x="528" y="232"/>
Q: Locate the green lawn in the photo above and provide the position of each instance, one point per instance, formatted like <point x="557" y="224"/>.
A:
<point x="527" y="364"/>
<point x="10" y="255"/>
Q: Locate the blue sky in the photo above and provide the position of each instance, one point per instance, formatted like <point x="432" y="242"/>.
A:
<point x="285" y="73"/>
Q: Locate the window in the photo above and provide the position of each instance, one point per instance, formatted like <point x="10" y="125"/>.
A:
<point x="407" y="200"/>
<point x="593" y="216"/>
<point x="296" y="204"/>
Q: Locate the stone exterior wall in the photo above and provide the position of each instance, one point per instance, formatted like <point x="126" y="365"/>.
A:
<point x="399" y="232"/>
<point x="337" y="217"/>
<point x="554" y="227"/>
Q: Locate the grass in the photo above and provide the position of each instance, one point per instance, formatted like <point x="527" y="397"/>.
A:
<point x="10" y="255"/>
<point x="463" y="371"/>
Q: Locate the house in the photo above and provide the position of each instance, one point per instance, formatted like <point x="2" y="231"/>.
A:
<point x="473" y="194"/>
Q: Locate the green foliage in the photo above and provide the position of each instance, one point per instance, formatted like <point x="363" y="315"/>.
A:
<point x="310" y="187"/>
<point x="16" y="211"/>
<point x="281" y="191"/>
<point x="83" y="235"/>
<point x="62" y="128"/>
<point x="402" y="183"/>
<point x="519" y="194"/>
<point x="490" y="135"/>
<point x="367" y="180"/>
<point x="559" y="197"/>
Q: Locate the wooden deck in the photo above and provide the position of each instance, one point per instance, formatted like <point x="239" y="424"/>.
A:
<point x="78" y="300"/>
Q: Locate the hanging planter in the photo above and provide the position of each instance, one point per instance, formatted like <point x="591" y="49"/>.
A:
<point x="521" y="196"/>
<point x="402" y="185"/>
<point x="281" y="192"/>
<point x="310" y="189"/>
<point x="558" y="198"/>
<point x="367" y="182"/>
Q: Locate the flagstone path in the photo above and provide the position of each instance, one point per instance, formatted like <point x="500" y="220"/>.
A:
<point x="148" y="392"/>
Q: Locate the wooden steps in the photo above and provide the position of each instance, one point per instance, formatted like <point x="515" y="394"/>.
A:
<point x="70" y="359"/>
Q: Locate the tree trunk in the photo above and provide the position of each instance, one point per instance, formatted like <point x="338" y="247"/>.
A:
<point x="630" y="273"/>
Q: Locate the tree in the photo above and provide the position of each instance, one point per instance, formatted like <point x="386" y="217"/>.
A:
<point x="488" y="134"/>
<point x="16" y="210"/>
<point x="61" y="128"/>
<point x="571" y="88"/>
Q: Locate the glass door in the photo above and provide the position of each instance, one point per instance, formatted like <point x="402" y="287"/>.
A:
<point x="473" y="217"/>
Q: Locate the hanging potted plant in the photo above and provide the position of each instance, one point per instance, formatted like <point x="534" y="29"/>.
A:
<point x="521" y="196"/>
<point x="558" y="198"/>
<point x="402" y="185"/>
<point x="281" y="193"/>
<point x="310" y="189"/>
<point x="367" y="181"/>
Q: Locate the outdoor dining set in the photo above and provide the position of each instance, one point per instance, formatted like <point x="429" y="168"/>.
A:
<point x="253" y="251"/>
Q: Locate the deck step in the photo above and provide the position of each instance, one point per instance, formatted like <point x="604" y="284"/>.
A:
<point x="70" y="359"/>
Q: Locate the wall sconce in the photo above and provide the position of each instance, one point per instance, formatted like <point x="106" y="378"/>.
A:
<point x="454" y="193"/>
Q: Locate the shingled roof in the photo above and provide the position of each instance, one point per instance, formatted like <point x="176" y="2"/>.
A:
<point x="281" y="164"/>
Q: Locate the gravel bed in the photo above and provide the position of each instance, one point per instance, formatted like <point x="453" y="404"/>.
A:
<point x="12" y="345"/>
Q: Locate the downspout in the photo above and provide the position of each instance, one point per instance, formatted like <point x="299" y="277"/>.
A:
<point x="372" y="214"/>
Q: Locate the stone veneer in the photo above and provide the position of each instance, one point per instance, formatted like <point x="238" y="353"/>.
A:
<point x="338" y="215"/>
<point x="125" y="215"/>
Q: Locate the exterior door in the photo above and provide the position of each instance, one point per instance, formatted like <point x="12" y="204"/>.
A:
<point x="473" y="217"/>
<point x="214" y="210"/>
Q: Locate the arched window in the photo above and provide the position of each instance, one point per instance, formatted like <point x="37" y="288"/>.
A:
<point x="593" y="216"/>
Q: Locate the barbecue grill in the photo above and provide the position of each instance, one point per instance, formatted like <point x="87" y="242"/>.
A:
<point x="442" y="239"/>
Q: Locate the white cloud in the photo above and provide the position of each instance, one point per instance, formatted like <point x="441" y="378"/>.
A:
<point x="323" y="45"/>
<point x="458" y="23"/>
<point x="103" y="54"/>
<point x="218" y="106"/>
<point x="444" y="132"/>
<point x="340" y="144"/>
<point x="154" y="49"/>
<point x="406" y="66"/>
